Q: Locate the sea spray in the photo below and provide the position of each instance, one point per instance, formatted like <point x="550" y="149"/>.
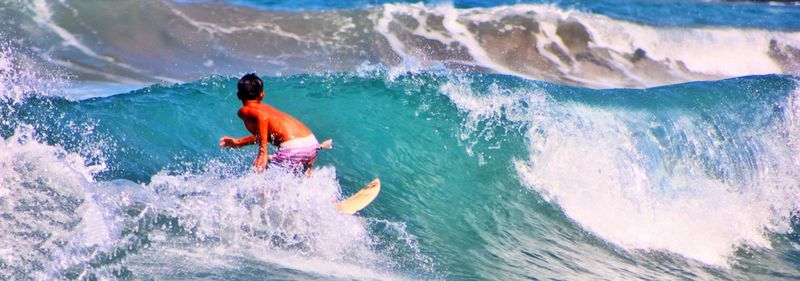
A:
<point x="54" y="223"/>
<point x="60" y="223"/>
<point x="603" y="166"/>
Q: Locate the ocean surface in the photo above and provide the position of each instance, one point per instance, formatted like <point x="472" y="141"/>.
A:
<point x="543" y="140"/>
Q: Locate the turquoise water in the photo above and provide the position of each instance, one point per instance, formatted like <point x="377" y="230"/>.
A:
<point x="479" y="179"/>
<point x="569" y="140"/>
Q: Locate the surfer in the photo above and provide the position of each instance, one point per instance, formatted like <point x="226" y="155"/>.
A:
<point x="297" y="146"/>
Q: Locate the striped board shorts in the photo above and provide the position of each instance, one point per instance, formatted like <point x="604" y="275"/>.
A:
<point x="297" y="153"/>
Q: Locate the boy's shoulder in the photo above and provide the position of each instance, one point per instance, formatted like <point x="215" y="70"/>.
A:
<point x="251" y="111"/>
<point x="246" y="111"/>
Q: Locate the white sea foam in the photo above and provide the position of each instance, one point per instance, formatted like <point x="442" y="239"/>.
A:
<point x="607" y="170"/>
<point x="485" y="111"/>
<point x="56" y="222"/>
<point x="687" y="53"/>
<point x="728" y="52"/>
<point x="274" y="218"/>
<point x="592" y="167"/>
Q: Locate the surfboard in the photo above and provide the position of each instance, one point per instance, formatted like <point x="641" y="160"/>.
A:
<point x="361" y="199"/>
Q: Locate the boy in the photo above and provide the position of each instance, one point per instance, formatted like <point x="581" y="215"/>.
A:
<point x="297" y="146"/>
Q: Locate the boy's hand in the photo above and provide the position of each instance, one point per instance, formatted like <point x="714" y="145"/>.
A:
<point x="227" y="141"/>
<point x="260" y="163"/>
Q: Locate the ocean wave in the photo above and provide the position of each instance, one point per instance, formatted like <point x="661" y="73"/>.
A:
<point x="486" y="176"/>
<point x="657" y="170"/>
<point x="134" y="42"/>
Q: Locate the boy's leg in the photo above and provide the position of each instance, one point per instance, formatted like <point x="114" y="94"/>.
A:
<point x="309" y="166"/>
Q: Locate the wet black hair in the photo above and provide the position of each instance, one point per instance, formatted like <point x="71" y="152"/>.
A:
<point x="249" y="87"/>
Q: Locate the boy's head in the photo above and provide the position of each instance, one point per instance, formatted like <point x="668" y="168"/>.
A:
<point x="250" y="87"/>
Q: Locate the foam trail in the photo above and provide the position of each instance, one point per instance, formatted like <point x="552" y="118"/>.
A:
<point x="275" y="218"/>
<point x="44" y="16"/>
<point x="461" y="34"/>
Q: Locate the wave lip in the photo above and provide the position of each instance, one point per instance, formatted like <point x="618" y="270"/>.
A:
<point x="698" y="170"/>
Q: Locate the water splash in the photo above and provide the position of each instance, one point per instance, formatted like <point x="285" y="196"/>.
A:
<point x="648" y="179"/>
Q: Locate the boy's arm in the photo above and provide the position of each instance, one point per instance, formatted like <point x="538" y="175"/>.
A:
<point x="230" y="142"/>
<point x="262" y="139"/>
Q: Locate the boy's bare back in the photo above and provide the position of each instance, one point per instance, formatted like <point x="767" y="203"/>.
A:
<point x="282" y="127"/>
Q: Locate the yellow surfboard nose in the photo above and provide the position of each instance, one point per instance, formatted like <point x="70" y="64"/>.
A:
<point x="361" y="199"/>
